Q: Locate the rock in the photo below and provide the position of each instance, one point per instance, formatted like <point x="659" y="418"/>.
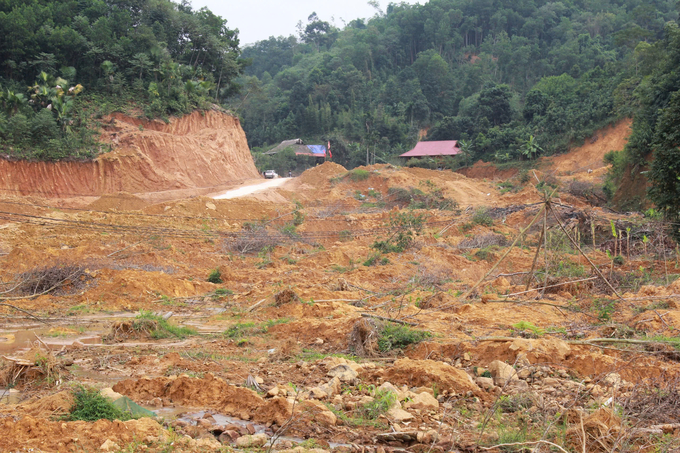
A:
<point x="228" y="436"/>
<point x="272" y="392"/>
<point x="317" y="393"/>
<point x="252" y="441"/>
<point x="612" y="380"/>
<point x="109" y="393"/>
<point x="318" y="341"/>
<point x="109" y="445"/>
<point x="388" y="387"/>
<point x="428" y="372"/>
<point x="485" y="382"/>
<point x="332" y="387"/>
<point x="398" y="415"/>
<point x="427" y="437"/>
<point x="502" y="372"/>
<point x="250" y="428"/>
<point x="424" y="389"/>
<point x="343" y="372"/>
<point x="259" y="380"/>
<point x="466" y="357"/>
<point x="518" y="385"/>
<point x="315" y="412"/>
<point x="423" y="401"/>
<point x="203" y="423"/>
<point x="210" y="205"/>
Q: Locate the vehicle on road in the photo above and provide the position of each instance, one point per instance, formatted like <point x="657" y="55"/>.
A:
<point x="270" y="174"/>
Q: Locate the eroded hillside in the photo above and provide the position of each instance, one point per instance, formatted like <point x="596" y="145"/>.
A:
<point x="382" y="309"/>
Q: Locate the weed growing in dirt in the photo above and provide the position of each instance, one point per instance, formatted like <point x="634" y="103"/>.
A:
<point x="404" y="226"/>
<point x="356" y="422"/>
<point x="376" y="258"/>
<point x="310" y="355"/>
<point x="246" y="329"/>
<point x="527" y="329"/>
<point x="482" y="217"/>
<point x="395" y="336"/>
<point x="382" y="401"/>
<point x="358" y="174"/>
<point x="215" y="276"/>
<point x="91" y="406"/>
<point x="604" y="308"/>
<point x="158" y="328"/>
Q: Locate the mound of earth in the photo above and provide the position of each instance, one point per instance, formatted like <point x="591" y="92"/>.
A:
<point x="200" y="150"/>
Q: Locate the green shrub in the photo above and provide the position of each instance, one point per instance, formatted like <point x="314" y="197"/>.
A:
<point x="482" y="217"/>
<point x="91" y="406"/>
<point x="382" y="401"/>
<point x="158" y="328"/>
<point x="404" y="226"/>
<point x="358" y="174"/>
<point x="215" y="276"/>
<point x="397" y="336"/>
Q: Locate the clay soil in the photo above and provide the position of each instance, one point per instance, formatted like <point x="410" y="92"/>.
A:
<point x="289" y="343"/>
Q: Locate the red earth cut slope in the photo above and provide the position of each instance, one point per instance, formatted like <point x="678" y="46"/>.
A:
<point x="200" y="150"/>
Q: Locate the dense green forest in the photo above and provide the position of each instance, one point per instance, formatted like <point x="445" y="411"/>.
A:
<point x="511" y="79"/>
<point x="63" y="64"/>
<point x="652" y="152"/>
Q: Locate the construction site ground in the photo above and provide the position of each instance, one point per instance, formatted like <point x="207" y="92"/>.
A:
<point x="383" y="309"/>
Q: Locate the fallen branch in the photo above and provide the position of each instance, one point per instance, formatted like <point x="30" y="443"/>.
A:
<point x="253" y="307"/>
<point x="552" y="286"/>
<point x="24" y="311"/>
<point x="382" y="318"/>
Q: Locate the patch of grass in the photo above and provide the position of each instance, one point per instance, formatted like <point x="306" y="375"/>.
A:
<point x="382" y="401"/>
<point x="525" y="328"/>
<point x="358" y="174"/>
<point x="604" y="309"/>
<point x="482" y="217"/>
<point x="355" y="422"/>
<point x="201" y="355"/>
<point x="161" y="327"/>
<point x="215" y="276"/>
<point x="310" y="355"/>
<point x="376" y="258"/>
<point x="395" y="336"/>
<point x="247" y="329"/>
<point x="91" y="406"/>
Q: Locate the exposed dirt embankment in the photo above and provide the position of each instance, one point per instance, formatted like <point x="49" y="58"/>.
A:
<point x="198" y="150"/>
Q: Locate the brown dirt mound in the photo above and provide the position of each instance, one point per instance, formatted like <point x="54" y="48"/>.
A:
<point x="320" y="175"/>
<point x="56" y="405"/>
<point x="40" y="434"/>
<point x="119" y="201"/>
<point x="207" y="392"/>
<point x="424" y="373"/>
<point x="195" y="151"/>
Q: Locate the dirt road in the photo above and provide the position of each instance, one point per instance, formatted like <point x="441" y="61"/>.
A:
<point x="251" y="189"/>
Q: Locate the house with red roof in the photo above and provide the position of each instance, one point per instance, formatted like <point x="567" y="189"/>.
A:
<point x="434" y="149"/>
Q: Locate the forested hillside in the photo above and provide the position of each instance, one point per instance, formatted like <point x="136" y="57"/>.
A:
<point x="81" y="59"/>
<point x="511" y="79"/>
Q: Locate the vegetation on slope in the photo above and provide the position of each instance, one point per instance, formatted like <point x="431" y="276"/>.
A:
<point x="84" y="58"/>
<point x="511" y="79"/>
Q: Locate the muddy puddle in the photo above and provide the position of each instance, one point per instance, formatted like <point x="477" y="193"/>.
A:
<point x="10" y="396"/>
<point x="21" y="340"/>
<point x="191" y="417"/>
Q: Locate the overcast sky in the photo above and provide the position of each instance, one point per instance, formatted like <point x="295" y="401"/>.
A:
<point x="260" y="19"/>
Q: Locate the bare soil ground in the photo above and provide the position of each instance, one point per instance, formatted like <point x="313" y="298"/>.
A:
<point x="304" y="337"/>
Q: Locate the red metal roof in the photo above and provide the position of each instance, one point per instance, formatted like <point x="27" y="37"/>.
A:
<point x="440" y="148"/>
